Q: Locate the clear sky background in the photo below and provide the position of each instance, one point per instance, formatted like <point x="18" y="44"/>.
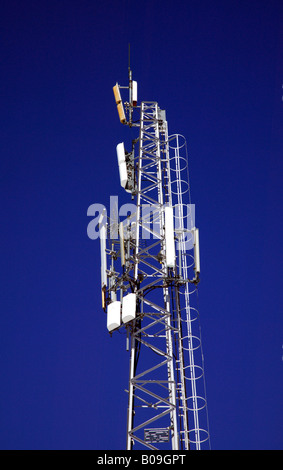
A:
<point x="216" y="67"/>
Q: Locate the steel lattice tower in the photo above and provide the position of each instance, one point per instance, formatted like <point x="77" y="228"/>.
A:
<point x="150" y="272"/>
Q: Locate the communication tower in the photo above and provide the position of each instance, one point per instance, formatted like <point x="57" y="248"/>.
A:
<point x="150" y="268"/>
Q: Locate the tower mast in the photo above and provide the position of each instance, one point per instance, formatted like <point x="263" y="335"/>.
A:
<point x="154" y="265"/>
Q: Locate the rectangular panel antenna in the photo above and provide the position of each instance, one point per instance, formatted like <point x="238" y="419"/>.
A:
<point x="129" y="308"/>
<point x="196" y="250"/>
<point x="169" y="237"/>
<point x="121" y="156"/>
<point x="113" y="315"/>
<point x="135" y="92"/>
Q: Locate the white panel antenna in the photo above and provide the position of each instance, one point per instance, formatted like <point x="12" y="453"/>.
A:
<point x="114" y="315"/>
<point x="135" y="92"/>
<point x="121" y="156"/>
<point x="129" y="308"/>
<point x="196" y="250"/>
<point x="169" y="237"/>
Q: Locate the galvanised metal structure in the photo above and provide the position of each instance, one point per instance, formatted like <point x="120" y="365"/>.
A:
<point x="150" y="273"/>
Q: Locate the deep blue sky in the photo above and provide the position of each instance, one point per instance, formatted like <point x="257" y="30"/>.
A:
<point x="216" y="67"/>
